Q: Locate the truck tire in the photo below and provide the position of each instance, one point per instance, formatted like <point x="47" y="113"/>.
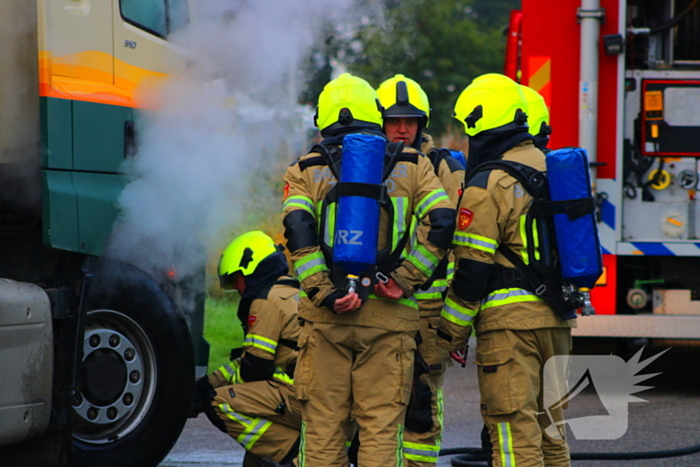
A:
<point x="137" y="372"/>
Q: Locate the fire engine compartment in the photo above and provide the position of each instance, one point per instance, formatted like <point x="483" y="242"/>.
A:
<point x="661" y="159"/>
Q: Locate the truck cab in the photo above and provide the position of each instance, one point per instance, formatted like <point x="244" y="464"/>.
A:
<point x="98" y="357"/>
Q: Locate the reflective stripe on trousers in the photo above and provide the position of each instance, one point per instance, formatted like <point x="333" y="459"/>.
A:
<point x="421" y="452"/>
<point x="505" y="443"/>
<point x="254" y="427"/>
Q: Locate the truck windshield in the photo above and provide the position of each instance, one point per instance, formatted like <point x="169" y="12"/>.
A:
<point x="159" y="17"/>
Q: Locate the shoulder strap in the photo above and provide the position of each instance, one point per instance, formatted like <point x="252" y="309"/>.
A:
<point x="436" y="156"/>
<point x="537" y="286"/>
<point x="288" y="282"/>
<point x="533" y="181"/>
<point x="394" y="153"/>
<point x="311" y="161"/>
<point x="330" y="155"/>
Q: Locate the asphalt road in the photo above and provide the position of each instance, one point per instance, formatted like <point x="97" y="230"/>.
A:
<point x="669" y="420"/>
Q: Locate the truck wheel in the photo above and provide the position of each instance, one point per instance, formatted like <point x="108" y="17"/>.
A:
<point x="137" y="373"/>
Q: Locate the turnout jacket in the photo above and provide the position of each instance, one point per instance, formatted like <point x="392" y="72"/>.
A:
<point x="272" y="331"/>
<point x="449" y="171"/>
<point x="451" y="175"/>
<point x="492" y="212"/>
<point x="414" y="191"/>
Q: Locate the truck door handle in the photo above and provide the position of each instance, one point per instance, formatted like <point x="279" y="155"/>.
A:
<point x="129" y="139"/>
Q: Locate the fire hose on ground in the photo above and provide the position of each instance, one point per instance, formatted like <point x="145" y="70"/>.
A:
<point x="475" y="457"/>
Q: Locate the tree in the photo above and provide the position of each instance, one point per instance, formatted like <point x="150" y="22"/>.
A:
<point x="438" y="43"/>
<point x="493" y="13"/>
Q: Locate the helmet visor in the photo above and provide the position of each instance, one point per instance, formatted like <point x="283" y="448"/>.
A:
<point x="228" y="282"/>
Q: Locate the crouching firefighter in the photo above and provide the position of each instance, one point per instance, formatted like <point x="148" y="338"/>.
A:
<point x="252" y="398"/>
<point x="521" y="314"/>
<point x="406" y="116"/>
<point x="348" y="209"/>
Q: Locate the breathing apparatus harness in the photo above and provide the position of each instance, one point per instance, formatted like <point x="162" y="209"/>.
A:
<point x="542" y="276"/>
<point x="436" y="156"/>
<point x="331" y="156"/>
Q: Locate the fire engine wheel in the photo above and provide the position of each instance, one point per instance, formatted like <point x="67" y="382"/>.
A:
<point x="136" y="377"/>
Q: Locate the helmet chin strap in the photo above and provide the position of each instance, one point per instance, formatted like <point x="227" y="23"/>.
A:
<point x="418" y="141"/>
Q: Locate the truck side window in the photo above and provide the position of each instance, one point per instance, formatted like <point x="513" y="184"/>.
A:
<point x="146" y="14"/>
<point x="178" y="15"/>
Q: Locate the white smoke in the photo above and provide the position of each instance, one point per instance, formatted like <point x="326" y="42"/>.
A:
<point x="20" y="162"/>
<point x="219" y="128"/>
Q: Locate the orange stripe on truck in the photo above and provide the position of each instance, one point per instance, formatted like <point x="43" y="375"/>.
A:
<point x="540" y="79"/>
<point x="87" y="76"/>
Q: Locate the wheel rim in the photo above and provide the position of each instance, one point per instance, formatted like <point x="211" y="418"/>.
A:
<point x="118" y="379"/>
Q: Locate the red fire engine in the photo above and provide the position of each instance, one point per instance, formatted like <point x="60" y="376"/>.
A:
<point x="622" y="79"/>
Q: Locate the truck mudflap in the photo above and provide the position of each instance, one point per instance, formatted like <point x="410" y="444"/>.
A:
<point x="26" y="361"/>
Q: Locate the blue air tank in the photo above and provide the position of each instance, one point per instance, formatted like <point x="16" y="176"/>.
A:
<point x="357" y="218"/>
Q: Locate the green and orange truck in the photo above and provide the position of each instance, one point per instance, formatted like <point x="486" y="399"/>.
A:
<point x="97" y="357"/>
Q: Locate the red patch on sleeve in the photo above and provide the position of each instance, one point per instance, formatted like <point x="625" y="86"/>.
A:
<point x="252" y="320"/>
<point x="465" y="218"/>
<point x="286" y="191"/>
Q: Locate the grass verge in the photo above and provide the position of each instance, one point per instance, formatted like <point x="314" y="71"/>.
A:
<point x="222" y="329"/>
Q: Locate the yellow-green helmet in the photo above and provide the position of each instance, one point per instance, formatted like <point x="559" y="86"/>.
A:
<point x="243" y="255"/>
<point x="491" y="102"/>
<point x="537" y="112"/>
<point x="403" y="97"/>
<point x="348" y="101"/>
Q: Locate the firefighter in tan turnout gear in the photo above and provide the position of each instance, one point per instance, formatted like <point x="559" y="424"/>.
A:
<point x="252" y="398"/>
<point x="516" y="330"/>
<point x="357" y="347"/>
<point x="406" y="115"/>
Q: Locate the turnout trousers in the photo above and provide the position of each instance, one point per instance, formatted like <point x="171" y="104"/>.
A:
<point x="423" y="449"/>
<point x="510" y="367"/>
<point x="345" y="372"/>
<point x="263" y="416"/>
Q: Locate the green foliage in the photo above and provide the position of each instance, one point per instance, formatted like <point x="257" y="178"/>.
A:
<point x="442" y="44"/>
<point x="493" y="13"/>
<point x="222" y="329"/>
<point x="435" y="42"/>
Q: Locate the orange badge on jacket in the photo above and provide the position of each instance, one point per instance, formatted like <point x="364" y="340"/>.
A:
<point x="465" y="218"/>
<point x="252" y="320"/>
<point x="286" y="191"/>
